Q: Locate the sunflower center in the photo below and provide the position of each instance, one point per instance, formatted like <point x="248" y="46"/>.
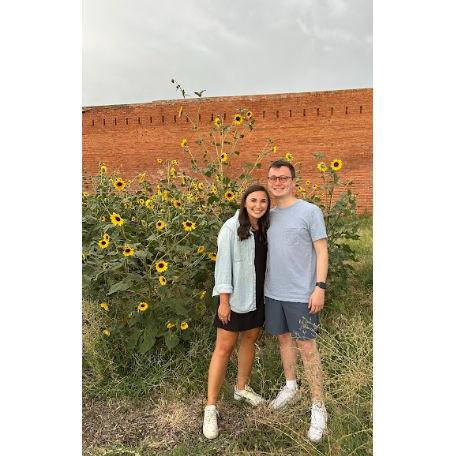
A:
<point x="117" y="219"/>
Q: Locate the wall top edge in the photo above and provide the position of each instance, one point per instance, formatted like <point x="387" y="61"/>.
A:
<point x="274" y="96"/>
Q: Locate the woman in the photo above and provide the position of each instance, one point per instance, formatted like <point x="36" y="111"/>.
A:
<point x="239" y="282"/>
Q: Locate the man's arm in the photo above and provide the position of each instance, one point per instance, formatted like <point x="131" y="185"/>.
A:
<point x="317" y="298"/>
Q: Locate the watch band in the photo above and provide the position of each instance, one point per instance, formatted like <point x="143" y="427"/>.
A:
<point x="321" y="285"/>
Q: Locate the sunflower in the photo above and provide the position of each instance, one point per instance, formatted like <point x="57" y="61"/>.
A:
<point x="217" y="122"/>
<point x="128" y="251"/>
<point x="200" y="186"/>
<point x="307" y="182"/>
<point x="184" y="143"/>
<point x="184" y="325"/>
<point x="176" y="203"/>
<point x="322" y="167"/>
<point x="103" y="168"/>
<point x="315" y="186"/>
<point x="248" y="114"/>
<point x="189" y="196"/>
<point x="85" y="194"/>
<point x="223" y="157"/>
<point x="106" y="237"/>
<point x="142" y="178"/>
<point x="161" y="266"/>
<point x="336" y="165"/>
<point x="104" y="306"/>
<point x="229" y="195"/>
<point x="170" y="325"/>
<point x="119" y="184"/>
<point x="160" y="225"/>
<point x="275" y="149"/>
<point x="201" y="249"/>
<point x="106" y="332"/>
<point x="162" y="280"/>
<point x="159" y="160"/>
<point x="165" y="195"/>
<point x="103" y="243"/>
<point x="300" y="189"/>
<point x="142" y="306"/>
<point x="102" y="218"/>
<point x="202" y="294"/>
<point x="213" y="189"/>
<point x="175" y="162"/>
<point x="212" y="256"/>
<point x="149" y="204"/>
<point x="141" y="201"/>
<point x="238" y="119"/>
<point x="288" y="156"/>
<point x="116" y="219"/>
<point x="189" y="225"/>
<point x="172" y="172"/>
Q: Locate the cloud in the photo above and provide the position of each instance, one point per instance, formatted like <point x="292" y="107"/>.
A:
<point x="131" y="50"/>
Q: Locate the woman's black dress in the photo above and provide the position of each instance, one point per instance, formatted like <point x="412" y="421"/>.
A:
<point x="255" y="319"/>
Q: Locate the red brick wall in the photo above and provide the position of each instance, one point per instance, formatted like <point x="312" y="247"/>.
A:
<point x="337" y="123"/>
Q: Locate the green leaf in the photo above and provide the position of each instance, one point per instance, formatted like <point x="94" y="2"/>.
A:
<point x="133" y="339"/>
<point x="171" y="340"/>
<point x="119" y="286"/>
<point x="147" y="343"/>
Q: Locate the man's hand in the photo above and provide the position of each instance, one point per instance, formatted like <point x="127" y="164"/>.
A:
<point x="316" y="300"/>
<point x="224" y="312"/>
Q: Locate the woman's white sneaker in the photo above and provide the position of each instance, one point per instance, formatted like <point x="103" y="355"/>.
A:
<point x="285" y="396"/>
<point x="210" y="426"/>
<point x="318" y="421"/>
<point x="248" y="395"/>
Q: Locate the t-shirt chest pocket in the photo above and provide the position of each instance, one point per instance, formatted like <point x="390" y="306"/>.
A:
<point x="293" y="236"/>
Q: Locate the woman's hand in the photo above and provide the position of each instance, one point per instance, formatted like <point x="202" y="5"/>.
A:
<point x="224" y="311"/>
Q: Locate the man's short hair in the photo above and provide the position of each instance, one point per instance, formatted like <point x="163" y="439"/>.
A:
<point x="280" y="163"/>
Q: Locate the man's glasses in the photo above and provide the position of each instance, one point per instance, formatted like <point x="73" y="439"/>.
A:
<point x="281" y="179"/>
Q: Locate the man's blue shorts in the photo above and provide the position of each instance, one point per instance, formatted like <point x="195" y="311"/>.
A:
<point x="293" y="317"/>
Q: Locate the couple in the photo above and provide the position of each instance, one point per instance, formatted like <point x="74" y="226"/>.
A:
<point x="271" y="268"/>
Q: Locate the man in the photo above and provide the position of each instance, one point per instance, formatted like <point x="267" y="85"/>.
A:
<point x="295" y="288"/>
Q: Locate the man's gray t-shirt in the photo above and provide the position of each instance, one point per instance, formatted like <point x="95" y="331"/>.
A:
<point x="291" y="264"/>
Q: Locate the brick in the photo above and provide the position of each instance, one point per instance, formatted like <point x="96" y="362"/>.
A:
<point x="338" y="123"/>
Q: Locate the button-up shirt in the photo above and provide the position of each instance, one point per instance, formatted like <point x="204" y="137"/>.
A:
<point x="235" y="267"/>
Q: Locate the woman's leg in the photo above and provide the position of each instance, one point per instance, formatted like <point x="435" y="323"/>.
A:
<point x="246" y="355"/>
<point x="224" y="345"/>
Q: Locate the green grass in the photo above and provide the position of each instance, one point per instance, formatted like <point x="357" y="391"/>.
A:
<point x="157" y="408"/>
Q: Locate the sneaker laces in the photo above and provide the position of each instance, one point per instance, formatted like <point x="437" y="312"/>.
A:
<point x="211" y="415"/>
<point x="318" y="416"/>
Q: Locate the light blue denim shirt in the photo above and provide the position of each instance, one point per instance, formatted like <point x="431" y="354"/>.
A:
<point x="235" y="267"/>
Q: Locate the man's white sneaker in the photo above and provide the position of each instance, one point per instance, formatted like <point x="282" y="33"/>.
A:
<point x="285" y="396"/>
<point x="317" y="422"/>
<point x="248" y="395"/>
<point x="210" y="427"/>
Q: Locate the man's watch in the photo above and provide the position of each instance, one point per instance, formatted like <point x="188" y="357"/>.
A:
<point x="321" y="285"/>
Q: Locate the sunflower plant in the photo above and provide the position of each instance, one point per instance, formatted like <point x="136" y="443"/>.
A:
<point x="337" y="201"/>
<point x="150" y="245"/>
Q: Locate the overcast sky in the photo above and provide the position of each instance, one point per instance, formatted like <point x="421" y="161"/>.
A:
<point x="132" y="48"/>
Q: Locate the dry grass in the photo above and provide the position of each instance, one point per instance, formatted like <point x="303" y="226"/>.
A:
<point x="171" y="425"/>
